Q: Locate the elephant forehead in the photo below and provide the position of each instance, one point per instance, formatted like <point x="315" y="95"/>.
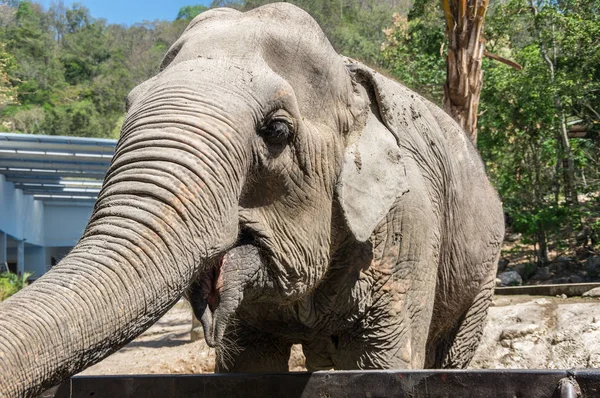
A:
<point x="294" y="47"/>
<point x="287" y="30"/>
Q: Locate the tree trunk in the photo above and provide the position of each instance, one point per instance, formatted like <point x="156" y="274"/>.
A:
<point x="541" y="236"/>
<point x="570" y="188"/>
<point x="542" y="252"/>
<point x="464" y="27"/>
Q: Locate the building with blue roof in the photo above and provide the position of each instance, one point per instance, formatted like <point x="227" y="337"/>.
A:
<point x="48" y="187"/>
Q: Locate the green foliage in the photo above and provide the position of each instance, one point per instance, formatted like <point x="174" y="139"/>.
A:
<point x="354" y="27"/>
<point x="11" y="283"/>
<point x="8" y="92"/>
<point x="520" y="111"/>
<point x="62" y="72"/>
<point x="411" y="51"/>
<point x="190" y="12"/>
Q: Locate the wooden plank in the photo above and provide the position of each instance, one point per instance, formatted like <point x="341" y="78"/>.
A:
<point x="568" y="289"/>
<point x="379" y="383"/>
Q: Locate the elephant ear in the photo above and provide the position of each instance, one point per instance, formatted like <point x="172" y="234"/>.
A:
<point x="373" y="174"/>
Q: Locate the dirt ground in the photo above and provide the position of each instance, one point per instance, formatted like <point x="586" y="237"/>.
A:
<point x="522" y="332"/>
<point x="166" y="348"/>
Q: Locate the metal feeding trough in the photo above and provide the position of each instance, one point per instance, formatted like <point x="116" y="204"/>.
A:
<point x="414" y="384"/>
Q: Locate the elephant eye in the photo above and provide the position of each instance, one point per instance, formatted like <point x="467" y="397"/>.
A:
<point x="277" y="132"/>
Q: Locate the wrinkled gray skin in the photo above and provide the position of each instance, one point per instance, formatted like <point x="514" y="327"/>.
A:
<point x="303" y="197"/>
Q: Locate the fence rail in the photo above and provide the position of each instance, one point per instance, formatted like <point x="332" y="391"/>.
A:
<point x="414" y="384"/>
<point x="568" y="289"/>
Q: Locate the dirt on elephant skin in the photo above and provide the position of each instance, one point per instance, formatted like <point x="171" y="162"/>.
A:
<point x="522" y="332"/>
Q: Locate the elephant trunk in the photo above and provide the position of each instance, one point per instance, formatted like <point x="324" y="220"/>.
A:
<point x="168" y="206"/>
<point x="217" y="294"/>
<point x="106" y="292"/>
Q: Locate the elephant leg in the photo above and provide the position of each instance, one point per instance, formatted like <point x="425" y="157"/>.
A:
<point x="388" y="343"/>
<point x="403" y="271"/>
<point x="250" y="351"/>
<point x="458" y="348"/>
<point x="319" y="354"/>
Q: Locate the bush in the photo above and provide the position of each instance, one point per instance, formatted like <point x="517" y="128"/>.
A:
<point x="11" y="283"/>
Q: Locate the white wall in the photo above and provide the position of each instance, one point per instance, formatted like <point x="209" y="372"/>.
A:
<point x="64" y="225"/>
<point x="21" y="216"/>
<point x="35" y="260"/>
<point x="42" y="226"/>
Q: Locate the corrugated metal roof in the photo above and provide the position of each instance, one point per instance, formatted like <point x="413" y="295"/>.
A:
<point x="55" y="168"/>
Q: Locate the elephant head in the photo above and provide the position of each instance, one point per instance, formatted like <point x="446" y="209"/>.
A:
<point x="256" y="141"/>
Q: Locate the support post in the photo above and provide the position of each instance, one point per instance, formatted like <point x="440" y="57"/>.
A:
<point x="20" y="257"/>
<point x="3" y="254"/>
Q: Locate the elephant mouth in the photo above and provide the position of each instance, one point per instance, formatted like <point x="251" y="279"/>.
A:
<point x="212" y="284"/>
<point x="205" y="306"/>
<point x="217" y="293"/>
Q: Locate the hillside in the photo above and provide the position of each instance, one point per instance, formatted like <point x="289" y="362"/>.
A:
<point x="65" y="72"/>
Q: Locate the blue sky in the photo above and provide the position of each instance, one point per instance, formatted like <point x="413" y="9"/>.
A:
<point x="131" y="11"/>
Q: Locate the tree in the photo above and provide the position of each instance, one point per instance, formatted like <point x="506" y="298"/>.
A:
<point x="517" y="143"/>
<point x="84" y="46"/>
<point x="8" y="92"/>
<point x="354" y="27"/>
<point x="190" y="12"/>
<point x="58" y="20"/>
<point x="519" y="122"/>
<point x="464" y="28"/>
<point x="411" y="50"/>
<point x="524" y="114"/>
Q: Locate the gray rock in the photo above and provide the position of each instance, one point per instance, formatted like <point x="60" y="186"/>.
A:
<point x="518" y="330"/>
<point x="592" y="263"/>
<point x="563" y="259"/>
<point x="558" y="266"/>
<point x="525" y="269"/>
<point x="514" y="237"/>
<point x="510" y="278"/>
<point x="542" y="274"/>
<point x="502" y="264"/>
<point x="595" y="292"/>
<point x="567" y="336"/>
<point x="576" y="279"/>
<point x="558" y="281"/>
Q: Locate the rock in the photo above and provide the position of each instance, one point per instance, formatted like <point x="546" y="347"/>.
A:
<point x="517" y="331"/>
<point x="525" y="269"/>
<point x="506" y="343"/>
<point x="541" y="333"/>
<point x="513" y="237"/>
<point x="582" y="236"/>
<point x="576" y="279"/>
<point x="595" y="292"/>
<point x="542" y="274"/>
<point x="563" y="259"/>
<point x="502" y="264"/>
<point x="510" y="278"/>
<point x="592" y="265"/>
<point x="561" y="280"/>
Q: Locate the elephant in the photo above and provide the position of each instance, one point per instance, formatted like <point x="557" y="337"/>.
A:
<point x="296" y="195"/>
